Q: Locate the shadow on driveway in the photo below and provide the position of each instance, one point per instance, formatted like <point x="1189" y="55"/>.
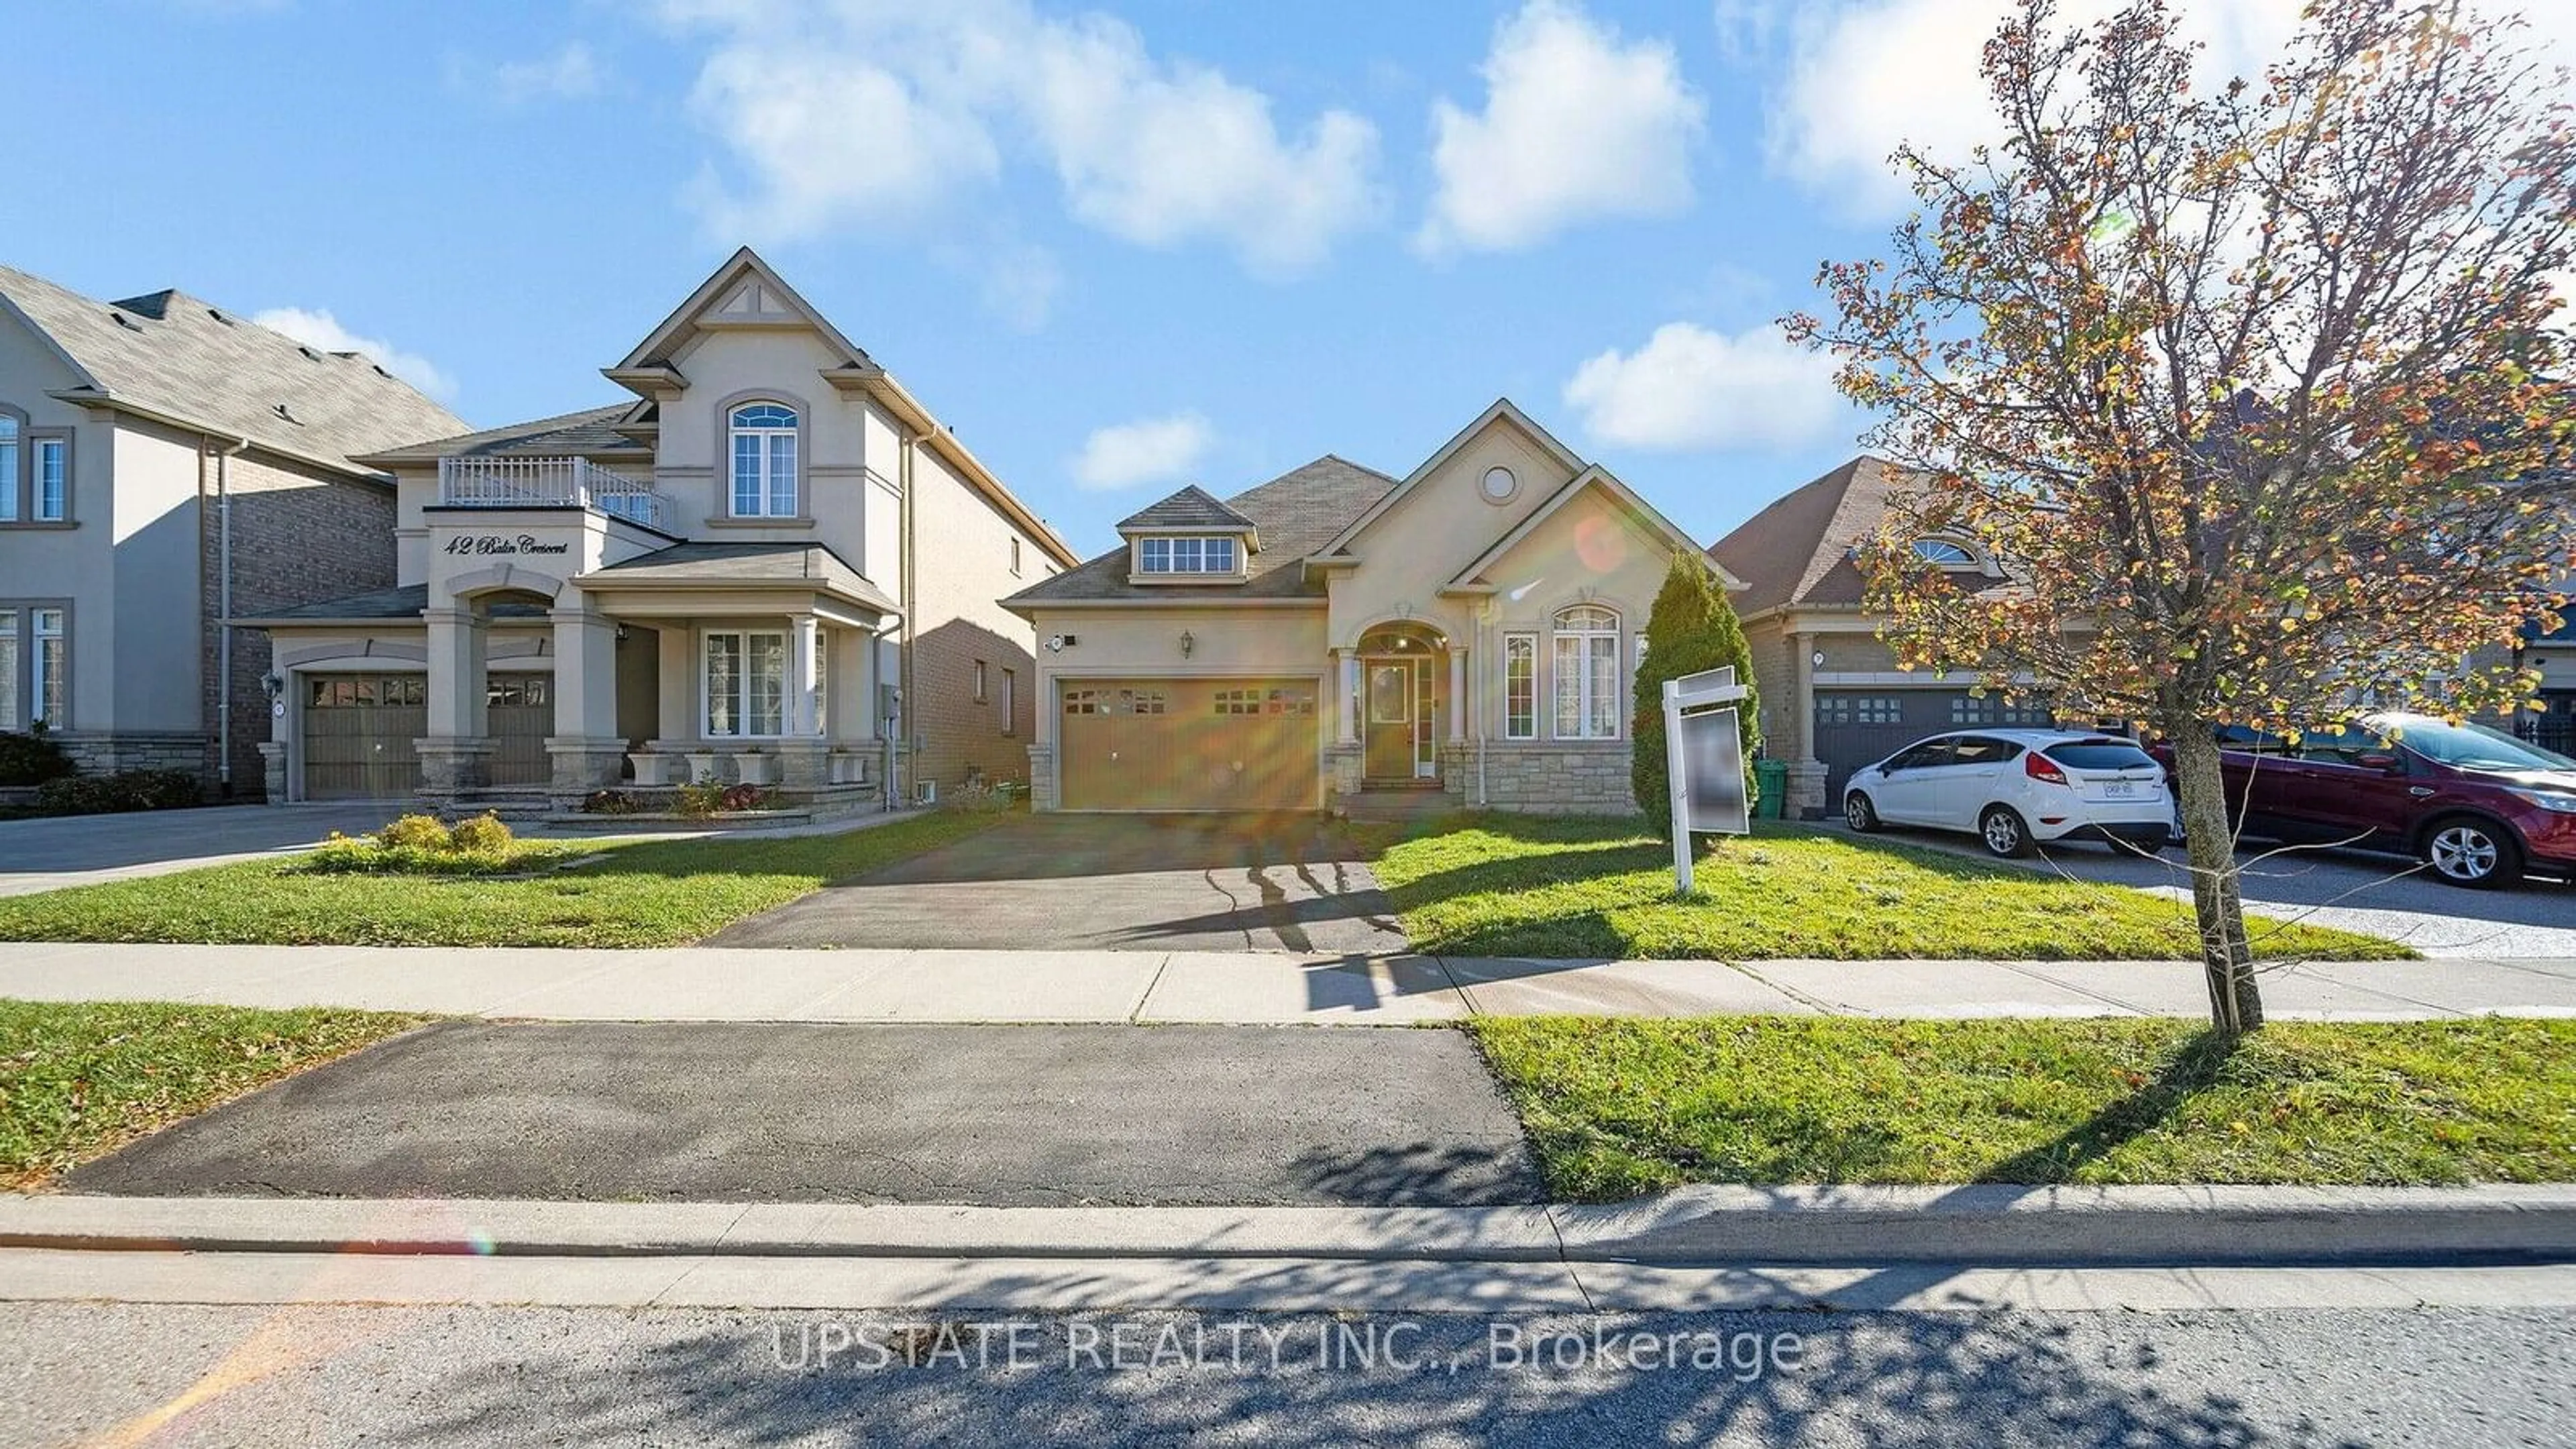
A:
<point x="1290" y="882"/>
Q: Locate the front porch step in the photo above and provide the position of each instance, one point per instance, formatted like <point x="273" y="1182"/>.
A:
<point x="1399" y="804"/>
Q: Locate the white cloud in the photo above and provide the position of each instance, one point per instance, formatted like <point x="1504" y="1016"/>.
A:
<point x="1693" y="390"/>
<point x="1150" y="450"/>
<point x="864" y="114"/>
<point x="323" y="332"/>
<point x="569" y="74"/>
<point x="1869" y="75"/>
<point x="1577" y="126"/>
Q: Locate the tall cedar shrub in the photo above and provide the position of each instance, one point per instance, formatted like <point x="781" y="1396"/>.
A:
<point x="1693" y="628"/>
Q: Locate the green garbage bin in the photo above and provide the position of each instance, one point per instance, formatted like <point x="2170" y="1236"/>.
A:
<point x="1771" y="787"/>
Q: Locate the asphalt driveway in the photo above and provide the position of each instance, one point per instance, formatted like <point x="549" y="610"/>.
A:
<point x="2379" y="895"/>
<point x="68" y="850"/>
<point x="1019" y="1116"/>
<point x="1108" y="882"/>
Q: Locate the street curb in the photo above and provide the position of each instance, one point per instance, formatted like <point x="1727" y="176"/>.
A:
<point x="1979" y="1225"/>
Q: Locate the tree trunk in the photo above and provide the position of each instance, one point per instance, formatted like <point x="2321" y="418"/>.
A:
<point x="2235" y="1001"/>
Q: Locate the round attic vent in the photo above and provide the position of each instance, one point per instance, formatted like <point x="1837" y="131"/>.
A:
<point x="1500" y="485"/>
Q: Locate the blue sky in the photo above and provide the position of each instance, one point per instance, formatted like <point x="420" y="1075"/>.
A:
<point x="1118" y="248"/>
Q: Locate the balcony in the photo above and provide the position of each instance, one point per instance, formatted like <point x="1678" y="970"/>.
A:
<point x="550" y="483"/>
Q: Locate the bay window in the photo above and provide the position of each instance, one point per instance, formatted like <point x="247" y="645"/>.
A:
<point x="745" y="694"/>
<point x="1585" y="673"/>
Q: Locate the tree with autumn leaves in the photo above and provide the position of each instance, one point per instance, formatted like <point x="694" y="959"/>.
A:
<point x="2257" y="390"/>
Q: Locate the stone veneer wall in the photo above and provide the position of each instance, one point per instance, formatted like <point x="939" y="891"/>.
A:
<point x="106" y="753"/>
<point x="1545" y="777"/>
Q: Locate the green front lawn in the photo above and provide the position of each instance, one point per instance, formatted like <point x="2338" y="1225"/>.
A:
<point x="1512" y="885"/>
<point x="79" y="1079"/>
<point x="1616" y="1108"/>
<point x="658" y="893"/>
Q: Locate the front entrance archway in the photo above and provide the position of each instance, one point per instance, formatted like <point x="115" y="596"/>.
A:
<point x="1403" y="705"/>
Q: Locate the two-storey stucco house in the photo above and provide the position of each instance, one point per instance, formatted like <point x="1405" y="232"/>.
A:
<point x="1471" y="628"/>
<point x="772" y="565"/>
<point x="164" y="464"/>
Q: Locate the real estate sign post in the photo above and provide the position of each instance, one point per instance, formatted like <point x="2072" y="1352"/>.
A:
<point x="1705" y="754"/>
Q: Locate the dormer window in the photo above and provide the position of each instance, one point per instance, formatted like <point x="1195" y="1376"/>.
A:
<point x="763" y="449"/>
<point x="1942" y="553"/>
<point x="1209" y="554"/>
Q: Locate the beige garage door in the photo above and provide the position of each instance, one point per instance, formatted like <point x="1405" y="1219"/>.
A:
<point x="358" y="730"/>
<point x="1188" y="744"/>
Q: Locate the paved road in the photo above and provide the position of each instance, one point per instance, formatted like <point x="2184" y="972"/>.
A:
<point x="2378" y="894"/>
<point x="2449" y="1378"/>
<point x="1019" y="1116"/>
<point x="1119" y="882"/>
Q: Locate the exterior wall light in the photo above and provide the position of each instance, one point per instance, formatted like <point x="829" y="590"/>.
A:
<point x="1188" y="643"/>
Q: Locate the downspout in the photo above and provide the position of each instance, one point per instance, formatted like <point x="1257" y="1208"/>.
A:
<point x="910" y="597"/>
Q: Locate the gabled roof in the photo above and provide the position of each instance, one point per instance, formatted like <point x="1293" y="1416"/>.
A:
<point x="1296" y="513"/>
<point x="650" y="369"/>
<point x="184" y="361"/>
<point x="590" y="433"/>
<point x="1797" y="553"/>
<point x="1503" y="409"/>
<point x="743" y="266"/>
<point x="1192" y="507"/>
<point x="1596" y="476"/>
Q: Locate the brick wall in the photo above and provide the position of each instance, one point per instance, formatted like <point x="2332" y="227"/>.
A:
<point x="299" y="536"/>
<point x="962" y="561"/>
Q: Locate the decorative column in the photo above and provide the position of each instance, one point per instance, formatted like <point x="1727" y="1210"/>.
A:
<point x="585" y="748"/>
<point x="801" y="763"/>
<point x="1806" y="783"/>
<point x="455" y="755"/>
<point x="1346" y="709"/>
<point x="1344" y="762"/>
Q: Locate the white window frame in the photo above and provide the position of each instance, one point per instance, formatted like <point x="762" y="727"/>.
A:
<point x="38" y="635"/>
<point x="49" y="466"/>
<point x="1527" y="642"/>
<point x="979" y="681"/>
<point x="773" y="496"/>
<point x="13" y="462"/>
<point x="1161" y="555"/>
<point x="1591" y="720"/>
<point x="1010" y="700"/>
<point x="742" y="693"/>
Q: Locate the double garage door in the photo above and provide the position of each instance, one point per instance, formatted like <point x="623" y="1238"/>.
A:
<point x="1188" y="744"/>
<point x="1860" y="727"/>
<point x="359" y="728"/>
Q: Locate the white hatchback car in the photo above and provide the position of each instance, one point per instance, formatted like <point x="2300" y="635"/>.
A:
<point x="2014" y="789"/>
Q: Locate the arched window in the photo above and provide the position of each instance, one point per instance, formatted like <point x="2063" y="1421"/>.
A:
<point x="1586" y="673"/>
<point x="1942" y="553"/>
<point x="763" y="438"/>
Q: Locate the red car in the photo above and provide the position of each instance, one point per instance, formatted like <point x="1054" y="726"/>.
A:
<point x="2477" y="805"/>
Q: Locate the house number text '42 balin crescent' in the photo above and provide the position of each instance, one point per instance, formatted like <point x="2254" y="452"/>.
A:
<point x="498" y="543"/>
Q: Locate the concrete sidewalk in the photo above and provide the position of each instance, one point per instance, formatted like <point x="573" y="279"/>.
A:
<point x="703" y="984"/>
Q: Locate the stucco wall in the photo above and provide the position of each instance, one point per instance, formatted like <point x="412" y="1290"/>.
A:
<point x="962" y="551"/>
<point x="1438" y="528"/>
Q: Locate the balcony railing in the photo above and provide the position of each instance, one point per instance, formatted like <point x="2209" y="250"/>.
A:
<point x="549" y="483"/>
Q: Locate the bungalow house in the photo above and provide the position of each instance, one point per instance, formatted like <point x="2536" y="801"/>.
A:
<point x="1337" y="634"/>
<point x="1833" y="698"/>
<point x="770" y="565"/>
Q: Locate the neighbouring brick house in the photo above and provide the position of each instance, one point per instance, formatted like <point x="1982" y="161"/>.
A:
<point x="1341" y="638"/>
<point x="161" y="459"/>
<point x="769" y="565"/>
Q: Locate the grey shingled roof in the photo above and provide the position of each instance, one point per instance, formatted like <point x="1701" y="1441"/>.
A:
<point x="402" y="603"/>
<point x="1297" y="513"/>
<point x="1798" y="551"/>
<point x="184" y="358"/>
<point x="590" y="433"/>
<point x="1192" y="507"/>
<point x="751" y="563"/>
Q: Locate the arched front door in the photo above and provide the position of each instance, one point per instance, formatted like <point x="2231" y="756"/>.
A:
<point x="1403" y="682"/>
